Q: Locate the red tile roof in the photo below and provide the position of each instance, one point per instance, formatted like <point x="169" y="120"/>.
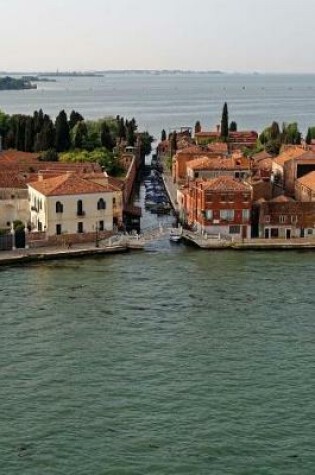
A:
<point x="225" y="183"/>
<point x="308" y="180"/>
<point x="68" y="184"/>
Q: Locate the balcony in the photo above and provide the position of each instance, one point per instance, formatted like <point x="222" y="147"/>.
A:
<point x="34" y="208"/>
<point x="81" y="213"/>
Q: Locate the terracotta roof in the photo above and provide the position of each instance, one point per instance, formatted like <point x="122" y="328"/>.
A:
<point x="116" y="183"/>
<point x="15" y="156"/>
<point x="261" y="156"/>
<point x="68" y="184"/>
<point x="281" y="199"/>
<point x="12" y="179"/>
<point x="288" y="153"/>
<point x="308" y="180"/>
<point x="219" y="163"/>
<point x="225" y="183"/>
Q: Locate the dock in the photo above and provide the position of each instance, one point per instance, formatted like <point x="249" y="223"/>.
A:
<point x="23" y="256"/>
<point x="216" y="242"/>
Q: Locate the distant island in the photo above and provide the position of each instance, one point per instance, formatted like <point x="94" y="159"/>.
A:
<point x="37" y="79"/>
<point x="71" y="74"/>
<point x="8" y="83"/>
<point x="158" y="71"/>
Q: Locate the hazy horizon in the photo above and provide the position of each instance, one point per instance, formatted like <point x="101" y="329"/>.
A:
<point x="264" y="36"/>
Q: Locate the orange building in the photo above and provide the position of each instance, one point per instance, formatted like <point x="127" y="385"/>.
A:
<point x="218" y="206"/>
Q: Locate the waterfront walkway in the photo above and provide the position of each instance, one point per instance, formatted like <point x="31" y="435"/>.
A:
<point x="20" y="256"/>
<point x="221" y="242"/>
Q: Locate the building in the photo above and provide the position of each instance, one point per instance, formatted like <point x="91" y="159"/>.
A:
<point x="286" y="218"/>
<point x="236" y="166"/>
<point x="71" y="205"/>
<point x="218" y="206"/>
<point x="297" y="167"/>
<point x="305" y="187"/>
<point x="182" y="157"/>
<point x="14" y="205"/>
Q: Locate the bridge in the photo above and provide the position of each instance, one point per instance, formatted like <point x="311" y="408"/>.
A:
<point x="138" y="241"/>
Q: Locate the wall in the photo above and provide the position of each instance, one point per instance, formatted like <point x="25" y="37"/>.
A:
<point x="69" y="219"/>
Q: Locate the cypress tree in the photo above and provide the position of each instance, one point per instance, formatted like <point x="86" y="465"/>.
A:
<point x="308" y="139"/>
<point x="29" y="135"/>
<point x="131" y="138"/>
<point x="225" y="122"/>
<point x="121" y="129"/>
<point x="173" y="143"/>
<point x="163" y="135"/>
<point x="197" y="127"/>
<point x="62" y="138"/>
<point x="79" y="134"/>
<point x="233" y="126"/>
<point x="74" y="118"/>
<point x="107" y="140"/>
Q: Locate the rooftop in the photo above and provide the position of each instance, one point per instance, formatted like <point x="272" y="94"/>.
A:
<point x="68" y="184"/>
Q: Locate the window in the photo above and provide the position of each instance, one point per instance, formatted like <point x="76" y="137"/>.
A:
<point x="80" y="227"/>
<point x="310" y="232"/>
<point x="80" y="211"/>
<point x="209" y="197"/>
<point x="293" y="219"/>
<point x="235" y="230"/>
<point x="282" y="219"/>
<point x="209" y="214"/>
<point x="224" y="198"/>
<point x="101" y="226"/>
<point x="114" y="202"/>
<point x="101" y="204"/>
<point x="246" y="197"/>
<point x="245" y="214"/>
<point x="267" y="219"/>
<point x="39" y="226"/>
<point x="59" y="207"/>
<point x="58" y="229"/>
<point x="227" y="214"/>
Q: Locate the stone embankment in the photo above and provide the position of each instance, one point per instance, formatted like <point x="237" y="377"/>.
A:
<point x="217" y="242"/>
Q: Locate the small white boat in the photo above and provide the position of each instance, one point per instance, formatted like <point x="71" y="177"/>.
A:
<point x="175" y="236"/>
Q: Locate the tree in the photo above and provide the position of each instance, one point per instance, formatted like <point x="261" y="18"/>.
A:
<point x="173" y="143"/>
<point x="38" y="117"/>
<point x="106" y="137"/>
<point x="131" y="137"/>
<point x="163" y="135"/>
<point x="197" y="127"/>
<point x="291" y="134"/>
<point x="233" y="126"/>
<point x="145" y="140"/>
<point x="49" y="155"/>
<point x="62" y="138"/>
<point x="121" y="129"/>
<point x="79" y="134"/>
<point x="225" y="122"/>
<point x="29" y="134"/>
<point x="74" y="118"/>
<point x="45" y="138"/>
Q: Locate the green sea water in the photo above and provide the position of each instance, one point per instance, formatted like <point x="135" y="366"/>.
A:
<point x="171" y="361"/>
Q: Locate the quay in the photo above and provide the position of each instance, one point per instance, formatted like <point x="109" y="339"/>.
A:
<point x="23" y="256"/>
<point x="217" y="242"/>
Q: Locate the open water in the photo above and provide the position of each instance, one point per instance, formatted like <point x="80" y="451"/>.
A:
<point x="172" y="361"/>
<point x="166" y="101"/>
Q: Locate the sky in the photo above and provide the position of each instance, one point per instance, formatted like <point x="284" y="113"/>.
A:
<point x="227" y="35"/>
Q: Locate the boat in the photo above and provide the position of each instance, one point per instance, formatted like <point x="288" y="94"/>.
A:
<point x="175" y="236"/>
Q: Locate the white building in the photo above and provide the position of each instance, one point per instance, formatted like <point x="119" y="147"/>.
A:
<point x="14" y="205"/>
<point x="70" y="204"/>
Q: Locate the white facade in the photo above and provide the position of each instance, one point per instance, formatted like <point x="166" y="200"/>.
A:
<point x="71" y="214"/>
<point x="14" y="205"/>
